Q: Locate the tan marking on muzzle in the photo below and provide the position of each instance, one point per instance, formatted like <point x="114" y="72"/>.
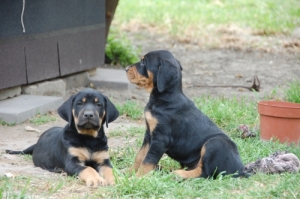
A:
<point x="141" y="81"/>
<point x="90" y="132"/>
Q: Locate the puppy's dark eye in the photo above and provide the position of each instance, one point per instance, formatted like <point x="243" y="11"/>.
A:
<point x="99" y="105"/>
<point x="79" y="103"/>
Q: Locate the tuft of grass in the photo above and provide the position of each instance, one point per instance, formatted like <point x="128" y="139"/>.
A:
<point x="42" y="119"/>
<point x="229" y="113"/>
<point x="3" y="123"/>
<point x="292" y="93"/>
<point x="131" y="109"/>
<point x="120" y="51"/>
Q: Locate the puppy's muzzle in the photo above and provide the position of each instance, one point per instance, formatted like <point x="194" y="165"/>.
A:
<point x="88" y="114"/>
<point x="88" y="120"/>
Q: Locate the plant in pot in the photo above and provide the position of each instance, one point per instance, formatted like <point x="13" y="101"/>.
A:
<point x="281" y="119"/>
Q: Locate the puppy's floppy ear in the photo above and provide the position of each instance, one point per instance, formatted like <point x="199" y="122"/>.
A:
<point x="65" y="110"/>
<point x="167" y="75"/>
<point x="179" y="64"/>
<point x="111" y="112"/>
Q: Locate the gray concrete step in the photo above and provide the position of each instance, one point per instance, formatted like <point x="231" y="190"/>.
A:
<point x="20" y="108"/>
<point x="111" y="79"/>
<point x="23" y="107"/>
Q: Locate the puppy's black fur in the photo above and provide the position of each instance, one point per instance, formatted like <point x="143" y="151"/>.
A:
<point x="175" y="126"/>
<point x="81" y="147"/>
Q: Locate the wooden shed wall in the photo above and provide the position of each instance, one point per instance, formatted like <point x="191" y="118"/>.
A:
<point x="60" y="38"/>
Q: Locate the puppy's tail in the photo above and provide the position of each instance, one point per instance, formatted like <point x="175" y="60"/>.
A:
<point x="29" y="150"/>
<point x="241" y="174"/>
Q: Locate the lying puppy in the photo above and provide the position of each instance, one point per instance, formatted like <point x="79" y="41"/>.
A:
<point x="175" y="126"/>
<point x="81" y="147"/>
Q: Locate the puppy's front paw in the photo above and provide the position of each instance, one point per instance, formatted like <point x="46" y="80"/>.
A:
<point x="188" y="174"/>
<point x="181" y="173"/>
<point x="144" y="169"/>
<point x="96" y="181"/>
<point x="92" y="177"/>
<point x="111" y="181"/>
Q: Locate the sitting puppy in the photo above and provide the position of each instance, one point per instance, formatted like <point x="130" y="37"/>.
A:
<point x="175" y="126"/>
<point x="81" y="147"/>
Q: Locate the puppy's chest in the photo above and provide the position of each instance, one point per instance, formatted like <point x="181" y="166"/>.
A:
<point x="151" y="120"/>
<point x="84" y="155"/>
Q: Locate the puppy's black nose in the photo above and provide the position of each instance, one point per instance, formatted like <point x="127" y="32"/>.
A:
<point x="127" y="68"/>
<point x="88" y="114"/>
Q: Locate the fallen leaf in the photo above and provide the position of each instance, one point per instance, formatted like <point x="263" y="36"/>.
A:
<point x="9" y="175"/>
<point x="29" y="128"/>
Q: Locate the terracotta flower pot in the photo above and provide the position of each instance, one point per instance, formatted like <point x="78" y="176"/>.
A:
<point x="280" y="120"/>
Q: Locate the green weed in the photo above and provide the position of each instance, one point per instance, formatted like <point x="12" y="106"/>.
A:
<point x="120" y="51"/>
<point x="3" y="123"/>
<point x="42" y="119"/>
<point x="292" y="93"/>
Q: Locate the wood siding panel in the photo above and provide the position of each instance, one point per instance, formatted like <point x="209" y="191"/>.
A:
<point x="12" y="65"/>
<point x="81" y="51"/>
<point x="42" y="59"/>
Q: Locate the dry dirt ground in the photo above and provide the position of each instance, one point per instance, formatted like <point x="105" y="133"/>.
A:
<point x="228" y="65"/>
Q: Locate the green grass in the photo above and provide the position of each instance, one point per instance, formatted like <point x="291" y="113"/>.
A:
<point x="37" y="120"/>
<point x="181" y="16"/>
<point x="42" y="119"/>
<point x="120" y="50"/>
<point x="3" y="123"/>
<point x="131" y="109"/>
<point x="127" y="133"/>
<point x="228" y="113"/>
<point x="292" y="93"/>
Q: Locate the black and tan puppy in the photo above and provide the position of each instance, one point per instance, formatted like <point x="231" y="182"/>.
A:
<point x="81" y="147"/>
<point x="175" y="126"/>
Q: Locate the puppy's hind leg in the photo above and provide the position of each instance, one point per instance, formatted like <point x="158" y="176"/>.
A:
<point x="29" y="150"/>
<point x="193" y="173"/>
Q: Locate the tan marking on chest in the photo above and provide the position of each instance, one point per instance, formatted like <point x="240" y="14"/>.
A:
<point x="90" y="132"/>
<point x="151" y="121"/>
<point x="100" y="156"/>
<point x="81" y="153"/>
